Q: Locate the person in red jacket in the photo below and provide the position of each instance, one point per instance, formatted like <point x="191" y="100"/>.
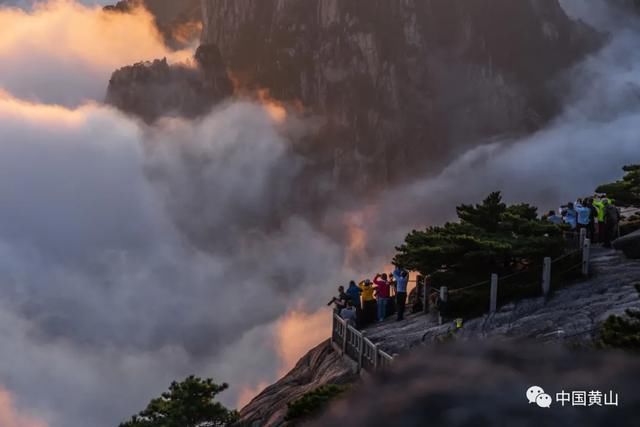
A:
<point x="382" y="294"/>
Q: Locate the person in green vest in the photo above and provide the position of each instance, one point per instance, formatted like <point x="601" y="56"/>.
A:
<point x="599" y="204"/>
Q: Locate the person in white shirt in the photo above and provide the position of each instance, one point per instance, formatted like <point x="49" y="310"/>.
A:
<point x="349" y="313"/>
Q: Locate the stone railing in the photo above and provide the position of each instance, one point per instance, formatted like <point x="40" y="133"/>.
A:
<point x="368" y="356"/>
<point x="353" y="344"/>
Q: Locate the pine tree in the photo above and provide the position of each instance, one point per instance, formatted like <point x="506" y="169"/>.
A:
<point x="490" y="237"/>
<point x="622" y="332"/>
<point x="189" y="403"/>
<point x="625" y="192"/>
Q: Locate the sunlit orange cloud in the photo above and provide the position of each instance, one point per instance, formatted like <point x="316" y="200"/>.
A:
<point x="11" y="417"/>
<point x="356" y="239"/>
<point x="72" y="29"/>
<point x="248" y="393"/>
<point x="275" y="109"/>
<point x="298" y="332"/>
<point x="62" y="38"/>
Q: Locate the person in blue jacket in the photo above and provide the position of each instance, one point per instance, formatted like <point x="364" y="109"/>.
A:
<point x="353" y="292"/>
<point x="571" y="216"/>
<point x="583" y="216"/>
<point x="553" y="218"/>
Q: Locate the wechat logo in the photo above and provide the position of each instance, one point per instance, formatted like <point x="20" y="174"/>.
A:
<point x="537" y="395"/>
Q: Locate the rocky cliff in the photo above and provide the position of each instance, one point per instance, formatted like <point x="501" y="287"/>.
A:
<point x="408" y="82"/>
<point x="154" y="89"/>
<point x="320" y="366"/>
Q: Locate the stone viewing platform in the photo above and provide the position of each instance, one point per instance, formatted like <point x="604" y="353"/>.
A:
<point x="572" y="313"/>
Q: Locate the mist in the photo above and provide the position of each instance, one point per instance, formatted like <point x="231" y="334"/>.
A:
<point x="134" y="255"/>
<point x="63" y="52"/>
<point x="98" y="273"/>
<point x="582" y="148"/>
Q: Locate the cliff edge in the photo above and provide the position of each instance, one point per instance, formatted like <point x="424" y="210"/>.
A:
<point x="322" y="365"/>
<point x="572" y="317"/>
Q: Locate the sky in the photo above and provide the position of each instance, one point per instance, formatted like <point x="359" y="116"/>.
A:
<point x="108" y="291"/>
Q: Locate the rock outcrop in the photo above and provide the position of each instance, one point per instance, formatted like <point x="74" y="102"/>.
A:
<point x="154" y="89"/>
<point x="629" y="244"/>
<point x="320" y="366"/>
<point x="408" y="83"/>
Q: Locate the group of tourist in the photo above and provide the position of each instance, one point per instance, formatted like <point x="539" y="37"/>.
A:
<point x="370" y="300"/>
<point x="598" y="215"/>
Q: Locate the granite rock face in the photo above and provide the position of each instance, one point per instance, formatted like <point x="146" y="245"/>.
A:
<point x="409" y="82"/>
<point x="629" y="244"/>
<point x="320" y="366"/>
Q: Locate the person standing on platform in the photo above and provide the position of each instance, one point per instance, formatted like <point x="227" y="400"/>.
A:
<point x="401" y="277"/>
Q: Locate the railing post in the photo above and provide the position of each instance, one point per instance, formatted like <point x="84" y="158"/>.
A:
<point x="586" y="254"/>
<point x="361" y="351"/>
<point x="546" y="277"/>
<point x="345" y="329"/>
<point x="493" y="305"/>
<point x="444" y="298"/>
<point x="583" y="236"/>
<point x="333" y="327"/>
<point x="376" y="357"/>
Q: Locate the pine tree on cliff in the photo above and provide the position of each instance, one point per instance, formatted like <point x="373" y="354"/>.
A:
<point x="625" y="192"/>
<point x="490" y="237"/>
<point x="189" y="403"/>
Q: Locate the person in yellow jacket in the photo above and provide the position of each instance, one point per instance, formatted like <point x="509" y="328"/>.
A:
<point x="369" y="304"/>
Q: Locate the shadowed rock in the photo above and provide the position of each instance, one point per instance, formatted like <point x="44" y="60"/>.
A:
<point x="153" y="89"/>
<point x="629" y="244"/>
<point x="484" y="385"/>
